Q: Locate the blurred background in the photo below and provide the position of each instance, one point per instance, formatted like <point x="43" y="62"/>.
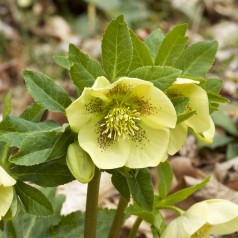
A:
<point x="32" y="31"/>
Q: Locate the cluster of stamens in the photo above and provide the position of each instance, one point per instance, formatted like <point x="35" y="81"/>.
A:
<point x="121" y="122"/>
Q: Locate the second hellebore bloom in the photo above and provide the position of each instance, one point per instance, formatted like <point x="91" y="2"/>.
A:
<point x="200" y="121"/>
<point x="6" y="191"/>
<point x="125" y="123"/>
<point x="214" y="216"/>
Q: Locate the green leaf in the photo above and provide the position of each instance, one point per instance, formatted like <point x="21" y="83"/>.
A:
<point x="7" y="105"/>
<point x="13" y="130"/>
<point x="197" y="59"/>
<point x="72" y="225"/>
<point x="34" y="201"/>
<point x="217" y="98"/>
<point x="153" y="42"/>
<point x="141" y="188"/>
<point x="213" y="85"/>
<point x="116" y="49"/>
<point x="184" y="116"/>
<point x="84" y="70"/>
<point x="182" y="194"/>
<point x="224" y="121"/>
<point x="25" y="225"/>
<point x="62" y="61"/>
<point x="48" y="174"/>
<point x="172" y="46"/>
<point x="46" y="92"/>
<point x="141" y="56"/>
<point x="161" y="76"/>
<point x="154" y="218"/>
<point x="165" y="178"/>
<point x="232" y="151"/>
<point x="180" y="104"/>
<point x="61" y="144"/>
<point x="120" y="183"/>
<point x="35" y="150"/>
<point x="33" y="113"/>
<point x="46" y="146"/>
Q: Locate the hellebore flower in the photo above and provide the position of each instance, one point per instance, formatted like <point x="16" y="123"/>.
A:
<point x="6" y="191"/>
<point x="125" y="123"/>
<point x="215" y="216"/>
<point x="79" y="163"/>
<point x="200" y="121"/>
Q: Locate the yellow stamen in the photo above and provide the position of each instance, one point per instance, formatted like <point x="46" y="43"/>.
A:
<point x="121" y="122"/>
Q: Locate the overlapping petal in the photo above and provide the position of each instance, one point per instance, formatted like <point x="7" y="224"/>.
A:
<point x="198" y="102"/>
<point x="200" y="122"/>
<point x="150" y="151"/>
<point x="214" y="216"/>
<point x="104" y="156"/>
<point x="159" y="112"/>
<point x="177" y="138"/>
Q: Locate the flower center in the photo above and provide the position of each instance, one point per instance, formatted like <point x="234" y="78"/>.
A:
<point x="203" y="232"/>
<point x="121" y="122"/>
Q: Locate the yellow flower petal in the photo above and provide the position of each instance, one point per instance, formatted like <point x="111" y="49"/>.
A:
<point x="198" y="101"/>
<point x="208" y="135"/>
<point x="177" y="138"/>
<point x="5" y="179"/>
<point x="150" y="151"/>
<point x="159" y="112"/>
<point x="223" y="216"/>
<point x="104" y="156"/>
<point x="110" y="120"/>
<point x="101" y="82"/>
<point x="185" y="81"/>
<point x="83" y="109"/>
<point x="214" y="216"/>
<point x="6" y="197"/>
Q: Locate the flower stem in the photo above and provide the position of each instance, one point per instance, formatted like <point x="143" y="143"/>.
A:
<point x="135" y="227"/>
<point x="90" y="222"/>
<point x="169" y="207"/>
<point x="118" y="219"/>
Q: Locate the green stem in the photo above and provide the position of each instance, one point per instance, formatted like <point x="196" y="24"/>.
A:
<point x="4" y="157"/>
<point x="118" y="219"/>
<point x="135" y="227"/>
<point x="90" y="223"/>
<point x="169" y="207"/>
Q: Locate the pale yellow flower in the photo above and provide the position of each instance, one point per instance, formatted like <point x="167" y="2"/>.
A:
<point x="125" y="123"/>
<point x="200" y="122"/>
<point x="6" y="191"/>
<point x="215" y="216"/>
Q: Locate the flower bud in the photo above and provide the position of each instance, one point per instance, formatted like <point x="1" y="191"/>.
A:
<point x="79" y="163"/>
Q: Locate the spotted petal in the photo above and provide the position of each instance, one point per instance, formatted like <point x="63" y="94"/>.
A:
<point x="112" y="156"/>
<point x="150" y="151"/>
<point x="158" y="112"/>
<point x="86" y="107"/>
